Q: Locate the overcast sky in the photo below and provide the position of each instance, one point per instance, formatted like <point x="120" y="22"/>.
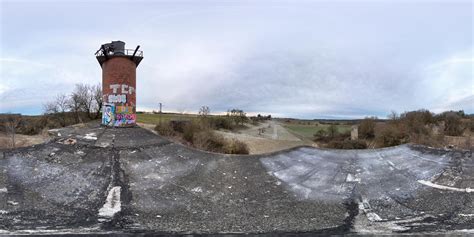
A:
<point x="306" y="59"/>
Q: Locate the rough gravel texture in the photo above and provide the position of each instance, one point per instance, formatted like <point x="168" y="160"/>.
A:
<point x="168" y="188"/>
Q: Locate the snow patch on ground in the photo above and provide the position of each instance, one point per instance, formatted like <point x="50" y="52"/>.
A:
<point x="3" y="190"/>
<point x="112" y="203"/>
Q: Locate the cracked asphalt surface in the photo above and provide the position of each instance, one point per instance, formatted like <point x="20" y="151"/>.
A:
<point x="169" y="188"/>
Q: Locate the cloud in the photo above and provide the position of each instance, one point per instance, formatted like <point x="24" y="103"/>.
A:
<point x="450" y="82"/>
<point x="309" y="59"/>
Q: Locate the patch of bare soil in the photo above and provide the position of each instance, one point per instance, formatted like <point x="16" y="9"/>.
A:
<point x="22" y="140"/>
<point x="459" y="142"/>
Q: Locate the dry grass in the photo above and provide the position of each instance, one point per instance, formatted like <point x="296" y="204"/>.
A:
<point x="198" y="133"/>
<point x="22" y="140"/>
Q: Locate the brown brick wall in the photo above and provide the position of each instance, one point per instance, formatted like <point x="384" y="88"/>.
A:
<point x="121" y="71"/>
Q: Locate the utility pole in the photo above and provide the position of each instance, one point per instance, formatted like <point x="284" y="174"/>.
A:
<point x="160" y="112"/>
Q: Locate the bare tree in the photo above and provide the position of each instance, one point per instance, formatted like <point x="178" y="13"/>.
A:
<point x="204" y="111"/>
<point x="75" y="106"/>
<point x="84" y="96"/>
<point x="98" y="99"/>
<point x="58" y="108"/>
<point x="12" y="121"/>
<point x="393" y="115"/>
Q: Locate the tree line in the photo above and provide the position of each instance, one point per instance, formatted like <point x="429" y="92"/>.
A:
<point x="84" y="103"/>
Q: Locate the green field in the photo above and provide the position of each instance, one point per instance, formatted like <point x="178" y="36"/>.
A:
<point x="307" y="131"/>
<point x="155" y="118"/>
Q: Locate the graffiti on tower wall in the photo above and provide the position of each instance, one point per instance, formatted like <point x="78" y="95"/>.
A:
<point x="124" y="119"/>
<point x="124" y="109"/>
<point x="118" y="111"/>
<point x="124" y="115"/>
<point x="108" y="114"/>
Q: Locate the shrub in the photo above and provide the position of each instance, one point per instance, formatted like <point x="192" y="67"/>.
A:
<point x="417" y="121"/>
<point x="320" y="135"/>
<point x="221" y="122"/>
<point x="347" y="144"/>
<point x="367" y="128"/>
<point x="179" y="125"/>
<point x="390" y="135"/>
<point x="452" y="125"/>
<point x="209" y="141"/>
<point x="189" y="130"/>
<point x="332" y="130"/>
<point x="235" y="146"/>
<point x="164" y="129"/>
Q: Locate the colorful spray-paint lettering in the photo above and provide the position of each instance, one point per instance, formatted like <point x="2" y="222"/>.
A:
<point x="124" y="119"/>
<point x="117" y="98"/>
<point x="124" y="109"/>
<point x="118" y="111"/>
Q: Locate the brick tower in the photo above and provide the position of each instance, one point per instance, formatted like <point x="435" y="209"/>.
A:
<point x="119" y="83"/>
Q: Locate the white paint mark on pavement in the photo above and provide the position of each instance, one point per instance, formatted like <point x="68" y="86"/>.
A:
<point x="90" y="136"/>
<point x="197" y="190"/>
<point x="352" y="178"/>
<point x="442" y="187"/>
<point x="12" y="203"/>
<point x="365" y="207"/>
<point x="112" y="203"/>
